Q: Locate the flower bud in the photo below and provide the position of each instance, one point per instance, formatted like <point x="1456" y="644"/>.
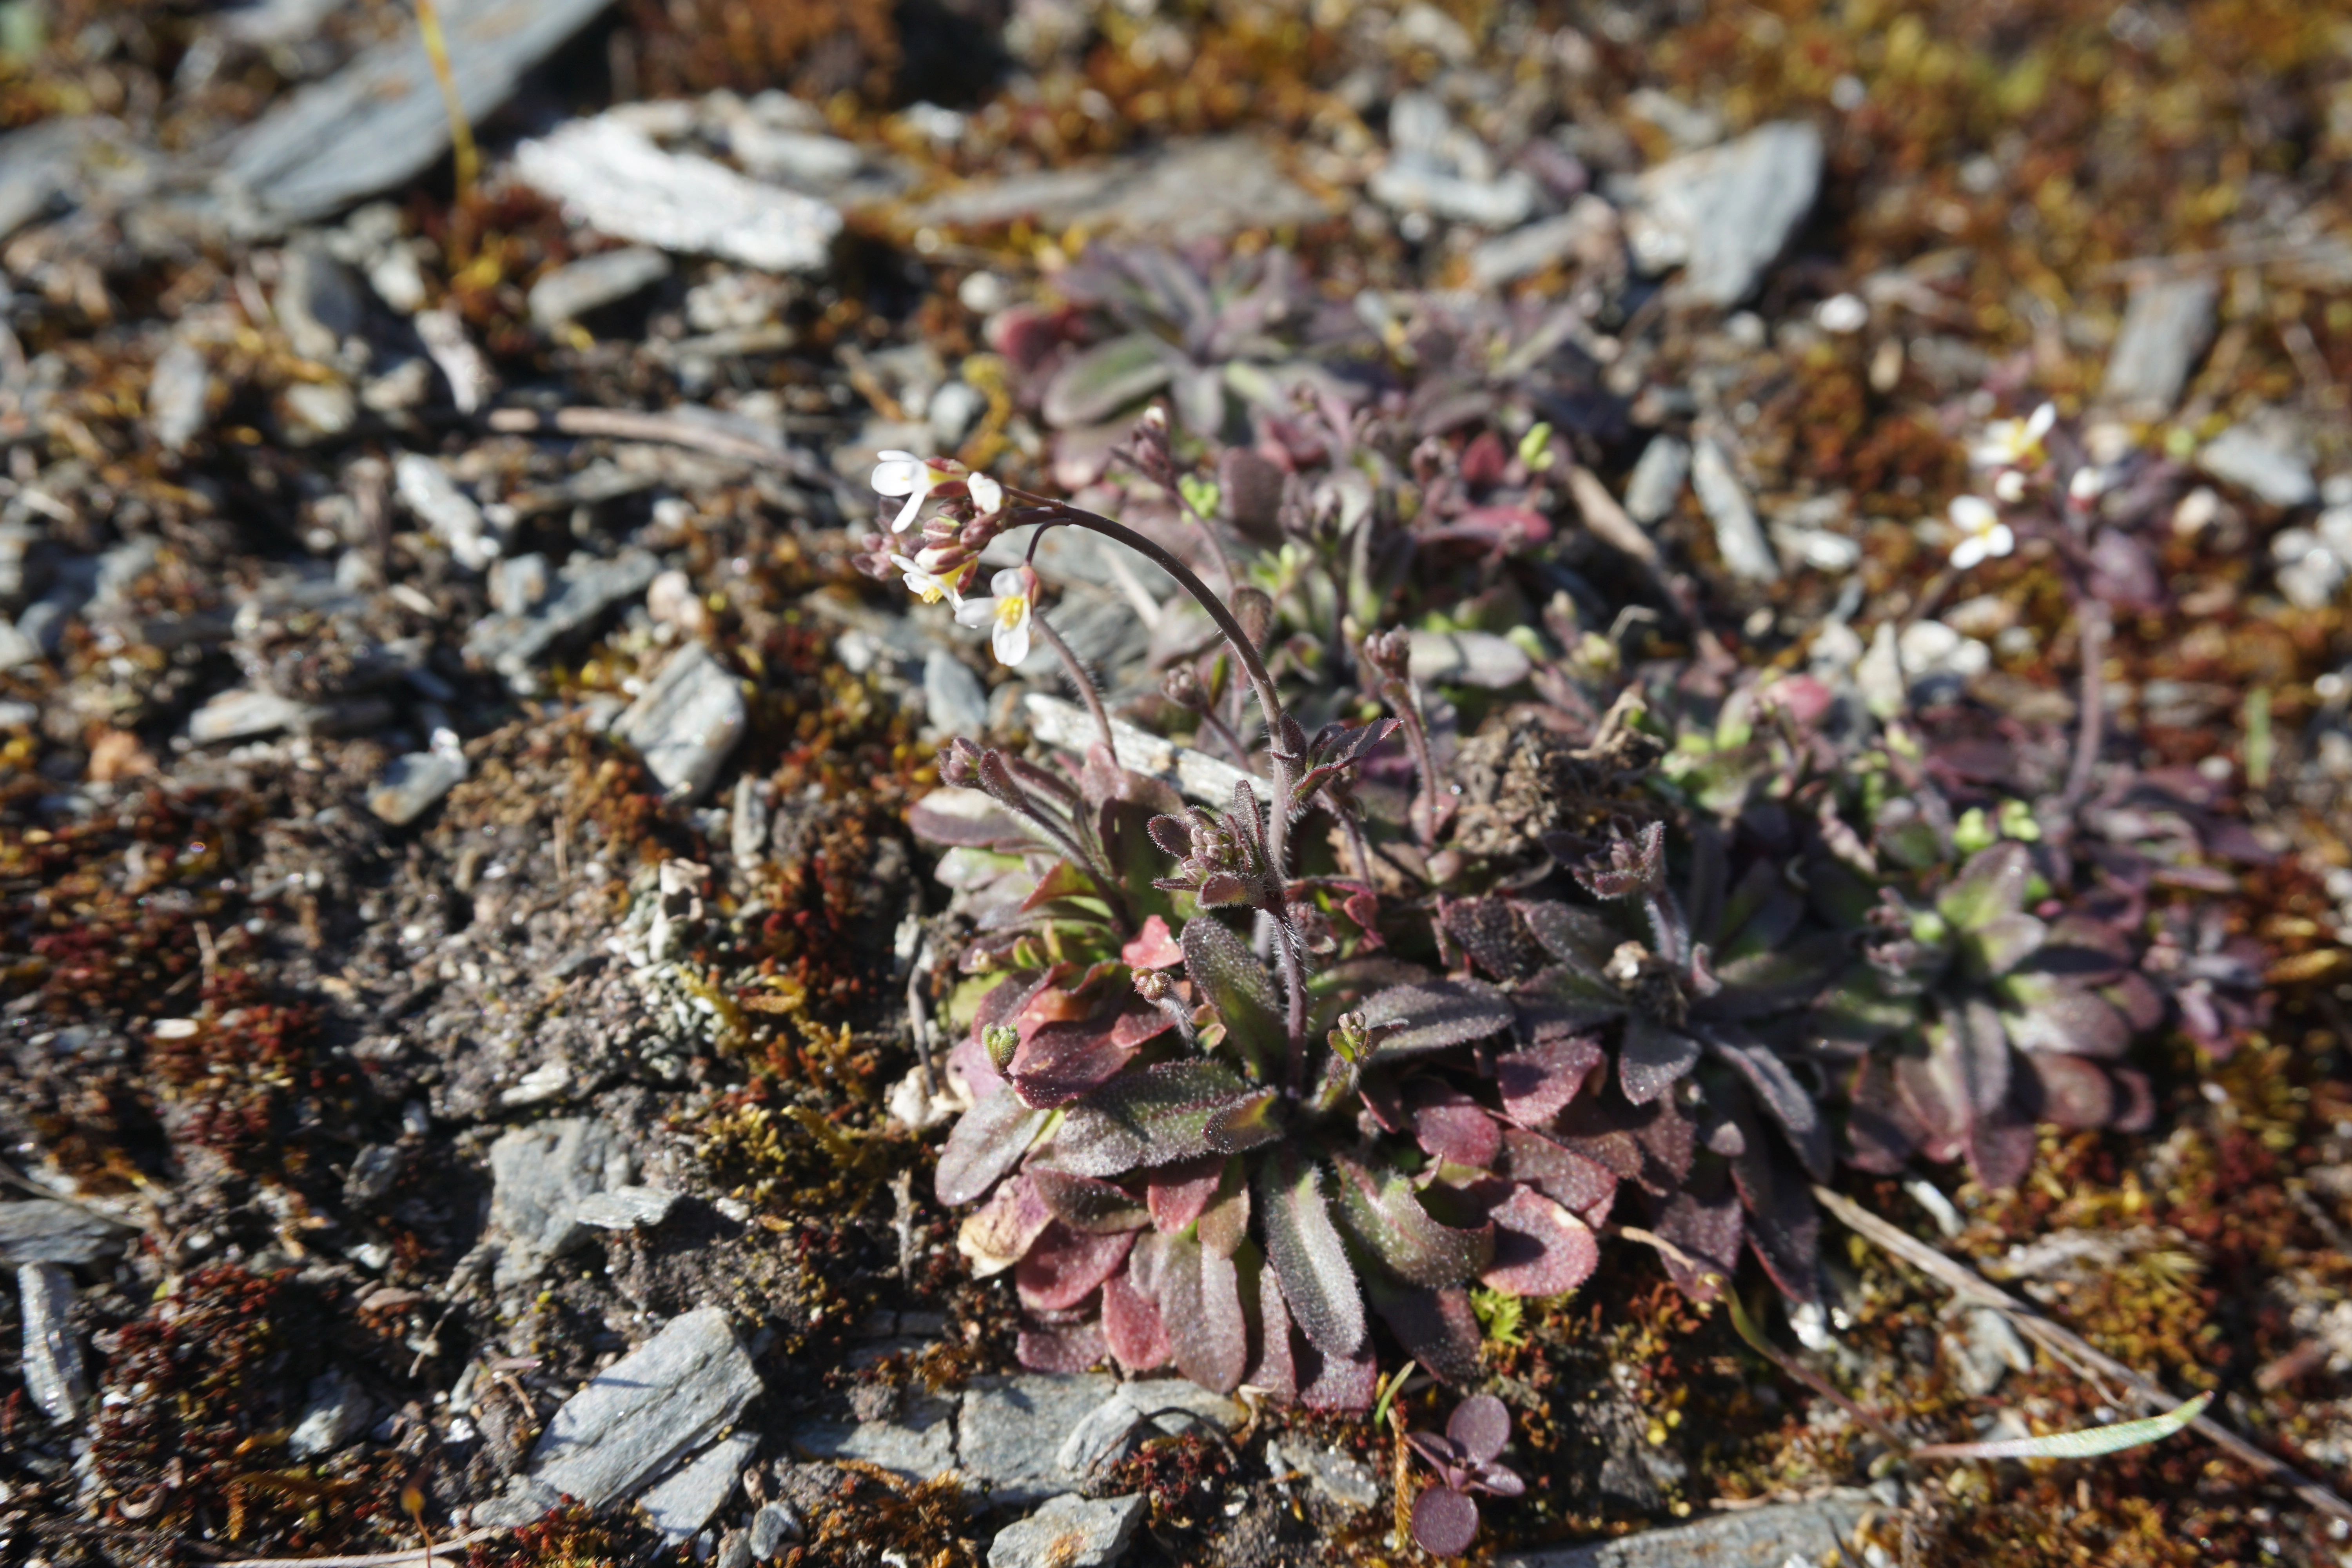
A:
<point x="1153" y="986"/>
<point x="1182" y="686"/>
<point x="1389" y="653"/>
<point x="960" y="764"/>
<point x="1000" y="1040"/>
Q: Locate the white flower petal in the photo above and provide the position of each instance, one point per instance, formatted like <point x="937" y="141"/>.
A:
<point x="1974" y="514"/>
<point x="1011" y="641"/>
<point x="1011" y="582"/>
<point x="986" y="494"/>
<point x="2009" y="486"/>
<point x="1999" y="541"/>
<point x="1968" y="553"/>
<point x="2039" y="425"/>
<point x="906" y="513"/>
<point x="975" y="612"/>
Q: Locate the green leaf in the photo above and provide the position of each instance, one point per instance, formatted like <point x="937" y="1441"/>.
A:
<point x="1382" y="1210"/>
<point x="2001" y="944"/>
<point x="1317" y="1281"/>
<point x="2086" y="1443"/>
<point x="1237" y="986"/>
<point x="1106" y="378"/>
<point x="1177" y="1111"/>
<point x="1992" y="884"/>
<point x="1429" y="1016"/>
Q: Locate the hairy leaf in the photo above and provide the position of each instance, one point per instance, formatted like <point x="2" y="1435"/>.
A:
<point x="1060" y="1062"/>
<point x="1176" y="1111"/>
<point x="2045" y="1016"/>
<point x="1064" y="1267"/>
<point x="1706" y="1231"/>
<point x="1430" y="1016"/>
<point x="2001" y="944"/>
<point x="1992" y="884"/>
<point x="988" y="1141"/>
<point x="1059" y="1347"/>
<point x="1453" y="1126"/>
<point x="1306" y="1252"/>
<point x="1537" y="1081"/>
<point x="1783" y="1227"/>
<point x="1234" y="983"/>
<point x="1133" y="1328"/>
<point x="1479" y="1427"/>
<point x="1575" y="1181"/>
<point x="2067" y="1091"/>
<point x="1444" y="1522"/>
<point x="1225" y="1223"/>
<point x="1382" y="1210"/>
<point x="1580" y="938"/>
<point x="1651" y="1058"/>
<point x="1490" y="931"/>
<point x="1179" y="1192"/>
<point x="1275" y="1368"/>
<point x="1540" y="1248"/>
<point x="1085" y="1203"/>
<point x="1770" y="1079"/>
<point x="1200" y="1299"/>
<point x="995" y="1234"/>
<point x="1435" y="1326"/>
<point x="1100" y="381"/>
<point x="1345" y="1383"/>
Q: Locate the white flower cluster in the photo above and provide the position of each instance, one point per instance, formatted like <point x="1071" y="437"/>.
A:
<point x="934" y="572"/>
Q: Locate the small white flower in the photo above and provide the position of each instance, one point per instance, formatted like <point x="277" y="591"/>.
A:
<point x="2013" y="443"/>
<point x="925" y="584"/>
<point x="1008" y="613"/>
<point x="905" y="474"/>
<point x="1982" y="532"/>
<point x="2087" y="486"/>
<point x="987" y="495"/>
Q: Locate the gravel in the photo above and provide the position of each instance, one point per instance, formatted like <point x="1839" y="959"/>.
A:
<point x="1070" y="1532"/>
<point x="686" y="723"/>
<point x="1725" y="214"/>
<point x="55" y="1375"/>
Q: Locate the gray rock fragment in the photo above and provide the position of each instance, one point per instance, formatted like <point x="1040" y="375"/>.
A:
<point x="517" y="583"/>
<point x="1195" y="773"/>
<point x="1011" y="1430"/>
<point x="683" y="1504"/>
<point x="619" y="183"/>
<point x="748" y="819"/>
<point x="576" y="287"/>
<point x="54" y="1372"/>
<point x="42" y="163"/>
<point x="317" y="410"/>
<point x="335" y="1412"/>
<point x="449" y="513"/>
<point x="381" y="121"/>
<point x="585" y="588"/>
<point x="919" y="1445"/>
<point x="1657" y="478"/>
<point x="953" y="410"/>
<point x="1501" y="202"/>
<point x="176" y="390"/>
<point x="317" y="301"/>
<point x="2258" y="462"/>
<point x="635" y="1417"/>
<point x="370" y="1179"/>
<point x="774" y="1528"/>
<point x="1584" y="230"/>
<point x="539" y="1175"/>
<point x="42" y="1230"/>
<point x="1740" y="538"/>
<point x="1202" y="189"/>
<point x="240" y="714"/>
<point x="1070" y="1532"/>
<point x="1818" y="1531"/>
<point x="414" y="782"/>
<point x="1131" y="1412"/>
<point x="624" y="1209"/>
<point x="734" y="1551"/>
<point x="1984" y="1347"/>
<point x="1342" y="1478"/>
<point x="686" y="723"/>
<point x="1723" y="213"/>
<point x="2167" y="326"/>
<point x="953" y="699"/>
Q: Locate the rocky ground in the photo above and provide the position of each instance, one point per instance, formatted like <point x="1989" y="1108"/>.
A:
<point x="471" y="987"/>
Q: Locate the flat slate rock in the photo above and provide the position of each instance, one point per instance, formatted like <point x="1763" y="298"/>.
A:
<point x="1203" y="189"/>
<point x="674" y="1394"/>
<point x="2257" y="462"/>
<point x="41" y="1230"/>
<point x="1817" y="1531"/>
<point x="585" y="588"/>
<point x="2167" y="326"/>
<point x="686" y="722"/>
<point x="1070" y="1532"/>
<point x="56" y="1375"/>
<point x="1740" y="538"/>
<point x="1725" y="214"/>
<point x="538" y="1176"/>
<point x="683" y="1504"/>
<point x="613" y="177"/>
<point x="380" y="121"/>
<point x="917" y="1445"/>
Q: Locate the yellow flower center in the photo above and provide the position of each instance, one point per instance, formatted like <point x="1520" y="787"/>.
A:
<point x="1011" y="608"/>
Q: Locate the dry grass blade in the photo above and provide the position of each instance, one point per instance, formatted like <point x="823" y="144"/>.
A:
<point x="442" y="1551"/>
<point x="2064" y="1343"/>
<point x="2086" y="1444"/>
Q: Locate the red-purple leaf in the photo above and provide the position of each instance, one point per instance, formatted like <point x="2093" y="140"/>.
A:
<point x="1706" y="1231"/>
<point x="988" y="1141"/>
<point x="1768" y="1077"/>
<point x="1152" y="948"/>
<point x="1537" y="1081"/>
<point x="2067" y="1091"/>
<point x="1199" y="1296"/>
<point x="1060" y="1062"/>
<point x="1479" y="1427"/>
<point x="1651" y="1058"/>
<point x="1085" y="1204"/>
<point x="1436" y="1327"/>
<point x="1132" y="1327"/>
<point x="1178" y="1193"/>
<point x="1540" y="1248"/>
<point x="1453" y="1126"/>
<point x="1574" y="1181"/>
<point x="1275" y="1368"/>
<point x="1338" y="1383"/>
<point x="995" y="1234"/>
<point x="1444" y="1522"/>
<point x="1064" y="1267"/>
<point x="1062" y="1348"/>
